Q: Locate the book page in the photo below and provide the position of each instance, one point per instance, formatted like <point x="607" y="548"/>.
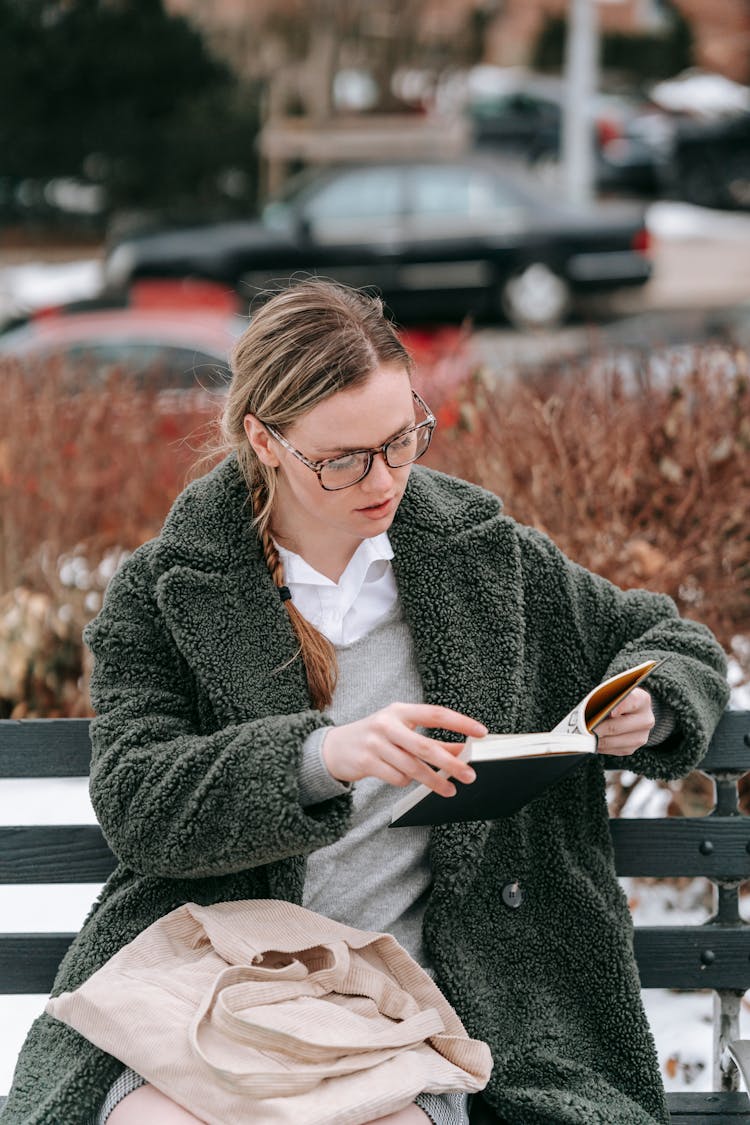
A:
<point x="601" y="700"/>
<point x="605" y="698"/>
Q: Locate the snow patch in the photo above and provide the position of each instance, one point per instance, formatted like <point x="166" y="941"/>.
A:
<point x="684" y="221"/>
<point x="28" y="287"/>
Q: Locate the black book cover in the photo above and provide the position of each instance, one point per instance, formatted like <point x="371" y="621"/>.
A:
<point x="502" y="786"/>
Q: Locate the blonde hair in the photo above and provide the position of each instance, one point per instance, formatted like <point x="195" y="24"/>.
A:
<point x="304" y="344"/>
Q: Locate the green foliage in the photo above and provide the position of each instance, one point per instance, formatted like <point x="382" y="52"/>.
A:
<point x="119" y="92"/>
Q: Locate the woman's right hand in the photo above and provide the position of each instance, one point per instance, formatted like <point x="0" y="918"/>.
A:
<point x="386" y="745"/>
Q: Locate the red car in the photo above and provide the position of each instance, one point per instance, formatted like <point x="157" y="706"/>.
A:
<point x="151" y="338"/>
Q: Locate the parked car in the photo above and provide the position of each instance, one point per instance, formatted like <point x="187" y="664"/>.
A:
<point x="711" y="162"/>
<point x="167" y="349"/>
<point x="709" y="149"/>
<point x="516" y="111"/>
<point x="439" y="240"/>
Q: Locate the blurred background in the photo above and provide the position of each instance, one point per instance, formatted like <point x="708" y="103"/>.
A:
<point x="553" y="198"/>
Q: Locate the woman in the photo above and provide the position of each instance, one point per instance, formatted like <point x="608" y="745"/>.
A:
<point x="317" y="625"/>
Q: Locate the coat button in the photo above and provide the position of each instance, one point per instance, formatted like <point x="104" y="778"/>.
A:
<point x="512" y="894"/>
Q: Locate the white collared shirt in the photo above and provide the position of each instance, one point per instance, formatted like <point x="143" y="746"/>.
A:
<point x="346" y="610"/>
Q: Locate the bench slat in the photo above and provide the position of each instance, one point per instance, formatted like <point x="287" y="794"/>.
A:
<point x="667" y="957"/>
<point x="704" y="1108"/>
<point x="52" y="853"/>
<point x="712" y="846"/>
<point x="61" y="747"/>
<point x="730" y="744"/>
<point x="28" y="962"/>
<point x="709" y="956"/>
<point x="44" y="748"/>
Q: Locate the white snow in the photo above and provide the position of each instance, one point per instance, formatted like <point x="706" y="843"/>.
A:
<point x="701" y="94"/>
<point x="674" y="221"/>
<point x="27" y="287"/>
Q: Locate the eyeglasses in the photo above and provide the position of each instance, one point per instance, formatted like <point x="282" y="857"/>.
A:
<point x="342" y="472"/>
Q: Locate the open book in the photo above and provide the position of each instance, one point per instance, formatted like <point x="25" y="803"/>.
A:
<point x="513" y="769"/>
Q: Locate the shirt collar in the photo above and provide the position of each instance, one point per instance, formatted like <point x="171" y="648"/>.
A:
<point x="375" y="549"/>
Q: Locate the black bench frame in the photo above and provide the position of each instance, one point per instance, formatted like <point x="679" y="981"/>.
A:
<point x="714" y="955"/>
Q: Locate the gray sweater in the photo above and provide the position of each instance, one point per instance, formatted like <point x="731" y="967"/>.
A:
<point x="374" y="877"/>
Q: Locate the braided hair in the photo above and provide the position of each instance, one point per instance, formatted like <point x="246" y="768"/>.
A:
<point x="305" y="343"/>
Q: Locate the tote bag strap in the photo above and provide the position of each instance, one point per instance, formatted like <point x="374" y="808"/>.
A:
<point x="229" y="996"/>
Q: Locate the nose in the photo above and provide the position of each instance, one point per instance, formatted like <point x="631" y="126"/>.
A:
<point x="380" y="476"/>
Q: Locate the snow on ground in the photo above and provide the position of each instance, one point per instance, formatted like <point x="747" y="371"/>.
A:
<point x="28" y="287"/>
<point x="670" y="219"/>
<point x="60" y="908"/>
<point x="24" y="288"/>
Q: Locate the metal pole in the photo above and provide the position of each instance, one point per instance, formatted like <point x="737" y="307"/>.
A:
<point x="581" y="64"/>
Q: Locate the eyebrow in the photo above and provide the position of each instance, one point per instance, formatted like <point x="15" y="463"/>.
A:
<point x="323" y="453"/>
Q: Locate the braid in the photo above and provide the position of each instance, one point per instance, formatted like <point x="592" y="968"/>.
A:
<point x="317" y="652"/>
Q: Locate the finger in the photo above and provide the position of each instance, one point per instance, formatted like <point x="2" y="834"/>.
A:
<point x="441" y="755"/>
<point x="407" y="763"/>
<point x="624" y="724"/>
<point x="430" y="715"/>
<point x="636" y="701"/>
<point x="390" y="774"/>
<point x="623" y="744"/>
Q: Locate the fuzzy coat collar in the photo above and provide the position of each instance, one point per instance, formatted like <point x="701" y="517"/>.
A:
<point x="209" y="527"/>
<point x="208" y="557"/>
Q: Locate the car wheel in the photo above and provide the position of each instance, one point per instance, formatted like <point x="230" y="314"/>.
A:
<point x="535" y="297"/>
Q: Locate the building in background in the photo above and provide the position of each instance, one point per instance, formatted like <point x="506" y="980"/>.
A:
<point x="249" y="32"/>
<point x="319" y="63"/>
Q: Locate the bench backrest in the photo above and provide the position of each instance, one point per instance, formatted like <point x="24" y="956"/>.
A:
<point x="714" y="955"/>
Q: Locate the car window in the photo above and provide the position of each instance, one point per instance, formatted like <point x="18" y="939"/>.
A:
<point x="468" y="198"/>
<point x="149" y="364"/>
<point x="519" y="103"/>
<point x="356" y="196"/>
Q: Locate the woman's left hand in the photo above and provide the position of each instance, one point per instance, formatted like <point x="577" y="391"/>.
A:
<point x="628" y="726"/>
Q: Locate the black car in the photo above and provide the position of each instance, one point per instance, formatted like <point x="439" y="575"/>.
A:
<point x="529" y="124"/>
<point x="711" y="162"/>
<point x="439" y="240"/>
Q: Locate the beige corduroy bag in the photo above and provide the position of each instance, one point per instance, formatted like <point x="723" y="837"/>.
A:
<point x="264" y="1011"/>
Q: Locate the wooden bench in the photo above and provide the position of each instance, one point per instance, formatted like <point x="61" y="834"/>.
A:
<point x="714" y="955"/>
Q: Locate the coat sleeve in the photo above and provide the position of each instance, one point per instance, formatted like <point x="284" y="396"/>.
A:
<point x="607" y="630"/>
<point x="172" y="801"/>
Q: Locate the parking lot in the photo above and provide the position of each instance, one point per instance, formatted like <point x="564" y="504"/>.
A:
<point x="700" y="287"/>
<point x="700" y="290"/>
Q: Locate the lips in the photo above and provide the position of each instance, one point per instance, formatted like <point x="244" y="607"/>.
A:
<point x="374" y="508"/>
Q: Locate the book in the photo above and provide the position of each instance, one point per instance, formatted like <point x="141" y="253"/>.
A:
<point x="513" y="769"/>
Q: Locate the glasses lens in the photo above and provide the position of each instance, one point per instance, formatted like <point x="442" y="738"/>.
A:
<point x="407" y="447"/>
<point x="344" y="471"/>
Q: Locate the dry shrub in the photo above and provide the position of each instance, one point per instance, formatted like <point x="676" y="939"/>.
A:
<point x="641" y="473"/>
<point x="85" y="476"/>
<point x="96" y="466"/>
<point x="646" y="481"/>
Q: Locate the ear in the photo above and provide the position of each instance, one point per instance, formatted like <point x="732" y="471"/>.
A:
<point x="264" y="446"/>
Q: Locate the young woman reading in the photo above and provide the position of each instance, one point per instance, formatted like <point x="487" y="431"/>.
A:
<point x="320" y="622"/>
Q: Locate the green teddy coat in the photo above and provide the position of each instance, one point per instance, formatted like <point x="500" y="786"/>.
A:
<point x="201" y="716"/>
